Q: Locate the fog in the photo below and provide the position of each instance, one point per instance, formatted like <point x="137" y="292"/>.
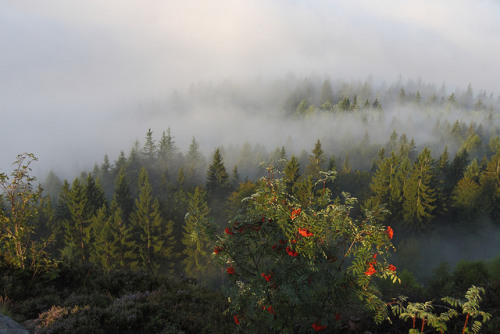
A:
<point x="82" y="78"/>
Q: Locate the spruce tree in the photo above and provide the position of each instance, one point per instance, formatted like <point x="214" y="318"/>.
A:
<point x="387" y="186"/>
<point x="196" y="245"/>
<point x="77" y="227"/>
<point x="419" y="193"/>
<point x="123" y="255"/>
<point x="153" y="242"/>
<point x="218" y="185"/>
<point x="316" y="161"/>
<point x="149" y="149"/>
<point x="195" y="164"/>
<point x="62" y="216"/>
<point x="466" y="199"/>
<point x="167" y="153"/>
<point x="291" y="174"/>
<point x="489" y="181"/>
<point x="95" y="196"/>
<point x="100" y="254"/>
<point x="122" y="195"/>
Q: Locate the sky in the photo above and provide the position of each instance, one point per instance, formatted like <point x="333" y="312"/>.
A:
<point x="73" y="74"/>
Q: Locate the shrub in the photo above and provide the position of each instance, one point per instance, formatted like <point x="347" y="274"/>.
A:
<point x="301" y="267"/>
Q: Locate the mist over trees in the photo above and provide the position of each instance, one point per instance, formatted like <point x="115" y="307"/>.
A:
<point x="425" y="159"/>
<point x="420" y="159"/>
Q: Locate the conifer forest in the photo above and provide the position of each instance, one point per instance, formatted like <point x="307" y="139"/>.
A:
<point x="159" y="215"/>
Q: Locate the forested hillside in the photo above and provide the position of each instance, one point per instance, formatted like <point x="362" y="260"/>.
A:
<point x="418" y="158"/>
<point x="444" y="179"/>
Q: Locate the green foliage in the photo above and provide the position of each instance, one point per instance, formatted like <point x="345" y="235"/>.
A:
<point x="469" y="273"/>
<point x="293" y="266"/>
<point x="197" y="247"/>
<point x="77" y="229"/>
<point x="17" y="218"/>
<point x="84" y="299"/>
<point x="316" y="162"/>
<point x="418" y="192"/>
<point x="154" y="243"/>
<point x="424" y="312"/>
<point x="217" y="177"/>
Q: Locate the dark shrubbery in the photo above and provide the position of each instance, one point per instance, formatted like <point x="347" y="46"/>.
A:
<point x="83" y="299"/>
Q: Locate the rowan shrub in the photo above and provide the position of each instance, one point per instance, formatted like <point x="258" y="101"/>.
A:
<point x="302" y="266"/>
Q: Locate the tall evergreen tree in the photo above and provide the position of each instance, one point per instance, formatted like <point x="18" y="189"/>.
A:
<point x="466" y="199"/>
<point x="77" y="228"/>
<point x="218" y="185"/>
<point x="235" y="178"/>
<point x="387" y="186"/>
<point x="62" y="216"/>
<point x="489" y="181"/>
<point x="153" y="243"/>
<point x="149" y="149"/>
<point x="316" y="161"/>
<point x="123" y="253"/>
<point x="100" y="254"/>
<point x="120" y="163"/>
<point x="122" y="195"/>
<point x="167" y="153"/>
<point x="134" y="164"/>
<point x="419" y="193"/>
<point x="105" y="176"/>
<point x="291" y="174"/>
<point x="95" y="196"/>
<point x="195" y="163"/>
<point x="196" y="245"/>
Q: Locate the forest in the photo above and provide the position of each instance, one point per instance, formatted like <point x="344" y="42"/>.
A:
<point x="148" y="225"/>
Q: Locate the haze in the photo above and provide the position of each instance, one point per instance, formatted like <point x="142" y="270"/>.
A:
<point x="83" y="78"/>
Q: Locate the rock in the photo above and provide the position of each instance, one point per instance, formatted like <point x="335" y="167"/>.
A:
<point x="9" y="326"/>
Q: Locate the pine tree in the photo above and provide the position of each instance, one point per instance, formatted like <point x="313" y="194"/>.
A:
<point x="443" y="192"/>
<point x="302" y="107"/>
<point x="218" y="185"/>
<point x="466" y="198"/>
<point x="133" y="164"/>
<point x="45" y="219"/>
<point x="100" y="255"/>
<point x="235" y="178"/>
<point x="106" y="177"/>
<point x="62" y="216"/>
<point x="195" y="163"/>
<point x="77" y="227"/>
<point x="123" y="254"/>
<point x="291" y="174"/>
<point x="489" y="181"/>
<point x="344" y="104"/>
<point x="316" y="161"/>
<point x="122" y="195"/>
<point x="153" y="241"/>
<point x="120" y="163"/>
<point x="167" y="152"/>
<point x="149" y="149"/>
<point x="304" y="191"/>
<point x="95" y="196"/>
<point x="419" y="193"/>
<point x="197" y="247"/>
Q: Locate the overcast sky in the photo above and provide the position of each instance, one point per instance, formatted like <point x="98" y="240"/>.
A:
<point x="71" y="71"/>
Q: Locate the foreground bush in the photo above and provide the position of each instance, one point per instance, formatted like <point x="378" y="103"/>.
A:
<point x="83" y="299"/>
<point x="300" y="266"/>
